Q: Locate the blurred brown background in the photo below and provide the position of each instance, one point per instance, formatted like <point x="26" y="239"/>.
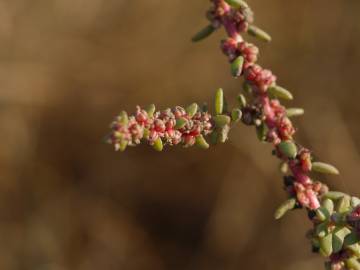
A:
<point x="68" y="201"/>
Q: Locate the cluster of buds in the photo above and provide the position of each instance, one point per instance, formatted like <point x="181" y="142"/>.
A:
<point x="259" y="79"/>
<point x="220" y="12"/>
<point x="243" y="52"/>
<point x="335" y="216"/>
<point x="169" y="127"/>
<point x="187" y="127"/>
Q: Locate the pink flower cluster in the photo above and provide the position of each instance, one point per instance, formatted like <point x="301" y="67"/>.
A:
<point x="220" y="12"/>
<point x="161" y="124"/>
<point x="259" y="78"/>
<point x="280" y="126"/>
<point x="301" y="186"/>
<point x="232" y="49"/>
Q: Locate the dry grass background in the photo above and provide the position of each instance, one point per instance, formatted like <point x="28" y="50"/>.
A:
<point x="67" y="201"/>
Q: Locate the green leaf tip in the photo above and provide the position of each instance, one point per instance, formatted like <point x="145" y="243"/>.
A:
<point x="334" y="195"/>
<point x="124" y="118"/>
<point x="280" y="92"/>
<point x="322" y="167"/>
<point x="158" y="145"/>
<point x="241" y="100"/>
<point x="192" y="109"/>
<point x="284" y="208"/>
<point x="293" y="112"/>
<point x="237" y="3"/>
<point x="328" y="205"/>
<point x="259" y="33"/>
<point x="201" y="142"/>
<point x="237" y="66"/>
<point x="222" y="120"/>
<point x="343" y="204"/>
<point x="326" y="247"/>
<point x="236" y="115"/>
<point x="353" y="264"/>
<point x="151" y="110"/>
<point x="262" y="131"/>
<point x="219" y="101"/>
<point x="339" y="237"/>
<point x="203" y="33"/>
<point x="122" y="146"/>
<point x="322" y="213"/>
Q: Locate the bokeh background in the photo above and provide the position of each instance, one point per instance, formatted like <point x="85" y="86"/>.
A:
<point x="68" y="201"/>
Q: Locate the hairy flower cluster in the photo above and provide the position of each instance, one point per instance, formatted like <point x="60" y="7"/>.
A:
<point x="172" y="127"/>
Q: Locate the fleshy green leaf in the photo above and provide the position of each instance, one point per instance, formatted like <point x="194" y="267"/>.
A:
<point x="259" y="33"/>
<point x="338" y="238"/>
<point x="284" y="208"/>
<point x="328" y="205"/>
<point x="219" y="101"/>
<point x="326" y="245"/>
<point x="236" y="115"/>
<point x="336" y="244"/>
<point x="237" y="66"/>
<point x="224" y="134"/>
<point x="123" y="118"/>
<point x="192" y="109"/>
<point x="292" y="112"/>
<point x="146" y="133"/>
<point x="204" y="33"/>
<point x="322" y="213"/>
<point x="237" y="3"/>
<point x="122" y="145"/>
<point x="334" y="195"/>
<point x="354" y="248"/>
<point x="343" y="204"/>
<point x="150" y="110"/>
<point x="351" y="239"/>
<point x="221" y="120"/>
<point x="201" y="142"/>
<point x="158" y="145"/>
<point x="324" y="168"/>
<point x="261" y="131"/>
<point x="288" y="148"/>
<point x="353" y="264"/>
<point x="280" y="92"/>
<point x="241" y="100"/>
